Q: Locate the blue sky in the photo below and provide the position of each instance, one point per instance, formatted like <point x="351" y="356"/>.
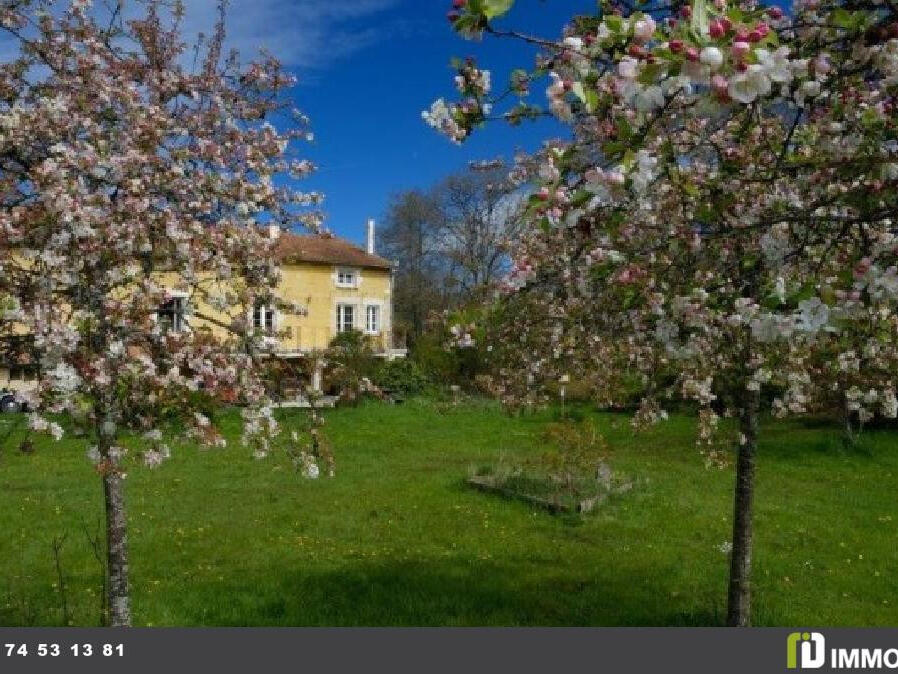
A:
<point x="367" y="69"/>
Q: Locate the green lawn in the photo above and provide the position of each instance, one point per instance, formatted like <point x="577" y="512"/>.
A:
<point x="396" y="538"/>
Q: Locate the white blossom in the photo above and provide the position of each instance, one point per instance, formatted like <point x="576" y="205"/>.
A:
<point x="813" y="315"/>
<point x="776" y="64"/>
<point x="711" y="57"/>
<point x="747" y="86"/>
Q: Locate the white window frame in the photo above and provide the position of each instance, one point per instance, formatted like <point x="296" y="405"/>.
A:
<point x="341" y="317"/>
<point x="179" y="317"/>
<point x="377" y="311"/>
<point x="264" y="318"/>
<point x="347" y="277"/>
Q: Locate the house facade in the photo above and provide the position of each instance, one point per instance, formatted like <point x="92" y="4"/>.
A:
<point x="342" y="286"/>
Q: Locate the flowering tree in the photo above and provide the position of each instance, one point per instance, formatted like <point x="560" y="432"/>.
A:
<point x="130" y="257"/>
<point x="720" y="223"/>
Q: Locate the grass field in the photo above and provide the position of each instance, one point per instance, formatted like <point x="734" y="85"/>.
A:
<point x="398" y="539"/>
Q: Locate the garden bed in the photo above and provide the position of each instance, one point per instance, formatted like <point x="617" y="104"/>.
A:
<point x="582" y="496"/>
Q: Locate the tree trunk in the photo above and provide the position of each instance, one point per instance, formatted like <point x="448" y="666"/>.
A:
<point x="116" y="548"/>
<point x="739" y="596"/>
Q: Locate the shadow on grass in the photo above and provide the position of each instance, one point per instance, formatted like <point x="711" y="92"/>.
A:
<point x="450" y="593"/>
<point x="799" y="441"/>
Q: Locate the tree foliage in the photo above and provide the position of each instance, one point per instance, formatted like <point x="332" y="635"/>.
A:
<point x="131" y="252"/>
<point x="721" y="222"/>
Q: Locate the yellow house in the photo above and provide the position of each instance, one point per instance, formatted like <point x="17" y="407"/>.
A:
<point x="342" y="287"/>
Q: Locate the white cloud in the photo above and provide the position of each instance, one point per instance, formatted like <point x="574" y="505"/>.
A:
<point x="301" y="33"/>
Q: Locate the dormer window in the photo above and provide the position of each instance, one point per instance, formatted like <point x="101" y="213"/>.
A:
<point x="347" y="278"/>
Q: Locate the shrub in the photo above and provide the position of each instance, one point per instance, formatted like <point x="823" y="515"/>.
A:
<point x="448" y="364"/>
<point x="352" y="361"/>
<point x="401" y="376"/>
<point x="432" y="358"/>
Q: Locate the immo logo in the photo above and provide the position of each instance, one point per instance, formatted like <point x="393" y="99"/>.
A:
<point x="807" y="650"/>
<point x="813" y="650"/>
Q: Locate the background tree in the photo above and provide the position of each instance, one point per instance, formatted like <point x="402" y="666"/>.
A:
<point x="411" y="238"/>
<point x="451" y="242"/>
<point x="721" y="222"/>
<point x="479" y="213"/>
<point x="130" y="191"/>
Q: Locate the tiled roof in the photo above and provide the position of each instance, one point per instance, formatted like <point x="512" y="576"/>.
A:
<point x="325" y="249"/>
